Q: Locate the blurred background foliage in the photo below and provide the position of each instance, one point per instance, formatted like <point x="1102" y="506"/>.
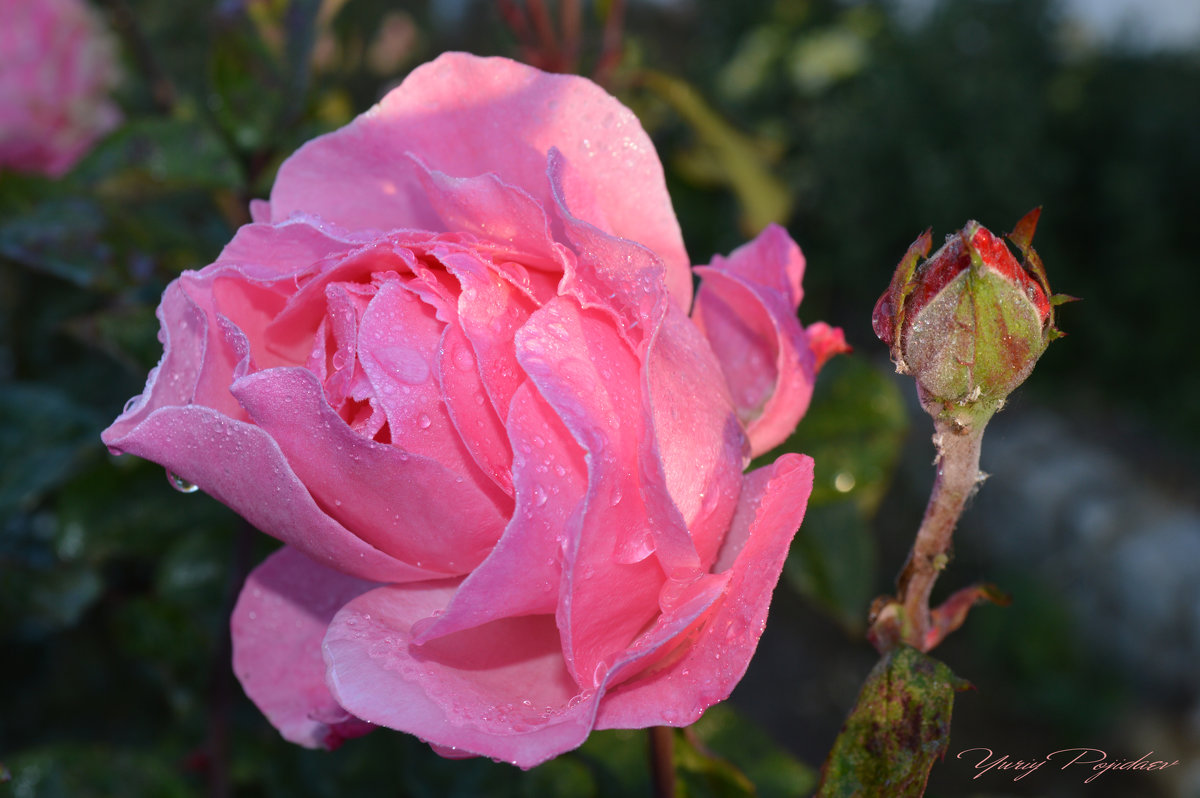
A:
<point x="853" y="123"/>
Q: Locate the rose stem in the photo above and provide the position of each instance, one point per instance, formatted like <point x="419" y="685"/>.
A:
<point x="570" y="21"/>
<point x="612" y="43"/>
<point x="957" y="475"/>
<point x="545" y="31"/>
<point x="662" y="761"/>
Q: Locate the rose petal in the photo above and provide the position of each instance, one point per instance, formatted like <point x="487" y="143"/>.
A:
<point x="550" y="478"/>
<point x="490" y="310"/>
<point x="700" y="442"/>
<point x="410" y="506"/>
<point x="499" y="690"/>
<point x="499" y="214"/>
<point x="182" y="330"/>
<point x="463" y="390"/>
<point x="238" y="464"/>
<point x="769" y="513"/>
<point x="468" y="116"/>
<point x="745" y="307"/>
<point x="620" y="277"/>
<point x="585" y="371"/>
<point x="277" y="627"/>
<point x="771" y="262"/>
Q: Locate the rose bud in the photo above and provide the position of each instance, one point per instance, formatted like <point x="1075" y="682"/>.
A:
<point x="457" y="366"/>
<point x="970" y="322"/>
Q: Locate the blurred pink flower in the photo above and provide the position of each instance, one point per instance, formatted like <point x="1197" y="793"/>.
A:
<point x="58" y="64"/>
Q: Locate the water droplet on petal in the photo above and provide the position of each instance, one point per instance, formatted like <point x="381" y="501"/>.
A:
<point x="539" y="495"/>
<point x="180" y="484"/>
<point x="423" y="421"/>
<point x="463" y="359"/>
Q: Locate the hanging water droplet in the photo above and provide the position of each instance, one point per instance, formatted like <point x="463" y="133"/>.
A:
<point x="180" y="484"/>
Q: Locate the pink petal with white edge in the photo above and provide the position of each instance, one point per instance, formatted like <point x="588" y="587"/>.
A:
<point x="450" y="112"/>
<point x="238" y="464"/>
<point x="772" y="506"/>
<point x="746" y="309"/>
<point x="499" y="690"/>
<point x="182" y="330"/>
<point x="495" y="212"/>
<point x="586" y="372"/>
<point x="550" y="478"/>
<point x="478" y="425"/>
<point x="700" y="441"/>
<point x="620" y="277"/>
<point x="277" y="627"/>
<point x="409" y="506"/>
<point x="260" y="211"/>
<point x="294" y="247"/>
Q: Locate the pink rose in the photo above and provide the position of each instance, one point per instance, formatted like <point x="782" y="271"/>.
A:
<point x="57" y="67"/>
<point x="451" y="366"/>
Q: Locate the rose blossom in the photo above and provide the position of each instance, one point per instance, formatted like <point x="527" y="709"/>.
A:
<point x="57" y="67"/>
<point x="451" y="366"/>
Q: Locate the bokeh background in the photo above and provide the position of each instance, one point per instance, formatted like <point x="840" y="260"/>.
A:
<point x="856" y="124"/>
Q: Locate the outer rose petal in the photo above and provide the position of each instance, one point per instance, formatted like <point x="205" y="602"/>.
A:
<point x="409" y="506"/>
<point x="746" y="307"/>
<point x="770" y="511"/>
<point x="277" y="627"/>
<point x="501" y="690"/>
<point x="468" y="116"/>
<point x="238" y="464"/>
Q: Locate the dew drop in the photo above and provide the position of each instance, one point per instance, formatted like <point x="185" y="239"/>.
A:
<point x="463" y="360"/>
<point x="180" y="484"/>
<point x="408" y="365"/>
<point x="423" y="421"/>
<point x="539" y="495"/>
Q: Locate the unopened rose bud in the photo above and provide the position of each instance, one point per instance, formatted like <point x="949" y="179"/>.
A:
<point x="970" y="322"/>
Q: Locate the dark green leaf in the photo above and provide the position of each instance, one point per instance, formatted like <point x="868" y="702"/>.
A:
<point x="832" y="562"/>
<point x="44" y="436"/>
<point x="97" y="771"/>
<point x="853" y="430"/>
<point x="898" y="728"/>
<point x="152" y="154"/>
<point x="745" y="755"/>
<point x="60" y="237"/>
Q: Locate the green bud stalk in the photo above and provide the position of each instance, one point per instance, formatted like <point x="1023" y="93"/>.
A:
<point x="968" y="324"/>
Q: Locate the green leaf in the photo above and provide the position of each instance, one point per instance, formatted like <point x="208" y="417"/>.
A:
<point x="724" y="752"/>
<point x="96" y="771"/>
<point x="898" y="728"/>
<point x="44" y="436"/>
<point x="832" y="563"/>
<point x="725" y="155"/>
<point x="60" y="236"/>
<point x="854" y="429"/>
<point x="154" y="154"/>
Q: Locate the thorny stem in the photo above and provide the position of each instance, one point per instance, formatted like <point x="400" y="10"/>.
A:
<point x="957" y="476"/>
<point x="662" y="760"/>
